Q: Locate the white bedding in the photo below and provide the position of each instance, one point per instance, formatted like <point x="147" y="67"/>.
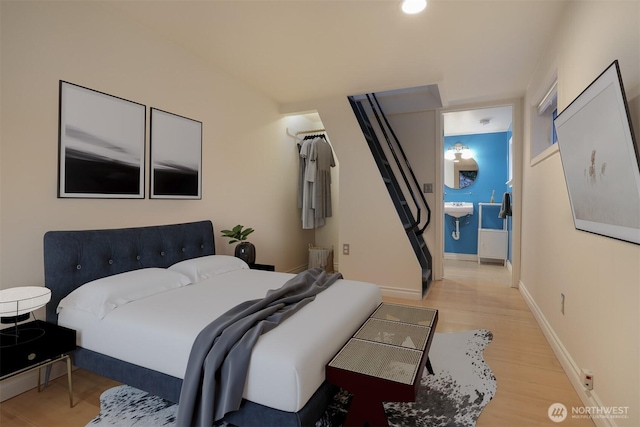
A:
<point x="287" y="364"/>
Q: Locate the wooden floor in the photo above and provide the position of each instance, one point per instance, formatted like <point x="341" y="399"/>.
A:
<point x="472" y="296"/>
<point x="528" y="374"/>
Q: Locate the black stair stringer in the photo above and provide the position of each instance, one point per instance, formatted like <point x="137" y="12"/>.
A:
<point x="402" y="206"/>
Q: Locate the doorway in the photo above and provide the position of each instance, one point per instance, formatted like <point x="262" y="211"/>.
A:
<point x="477" y="171"/>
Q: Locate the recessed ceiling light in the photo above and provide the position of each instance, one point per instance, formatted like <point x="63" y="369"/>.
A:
<point x="412" y="7"/>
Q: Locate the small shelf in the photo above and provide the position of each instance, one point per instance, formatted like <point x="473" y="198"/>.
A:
<point x="492" y="242"/>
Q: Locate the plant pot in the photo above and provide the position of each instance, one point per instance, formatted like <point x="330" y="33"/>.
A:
<point x="246" y="252"/>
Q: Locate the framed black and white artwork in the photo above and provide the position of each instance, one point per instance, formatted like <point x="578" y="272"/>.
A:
<point x="101" y="147"/>
<point x="600" y="158"/>
<point x="176" y="156"/>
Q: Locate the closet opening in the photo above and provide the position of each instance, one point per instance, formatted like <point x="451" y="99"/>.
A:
<point x="318" y="196"/>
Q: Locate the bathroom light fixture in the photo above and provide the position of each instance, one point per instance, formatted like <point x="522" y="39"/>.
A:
<point x="458" y="151"/>
<point x="412" y="7"/>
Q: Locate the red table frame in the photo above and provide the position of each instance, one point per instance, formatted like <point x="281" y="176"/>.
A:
<point x="369" y="392"/>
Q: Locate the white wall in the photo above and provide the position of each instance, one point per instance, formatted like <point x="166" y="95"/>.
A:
<point x="416" y="132"/>
<point x="249" y="163"/>
<point x="379" y="249"/>
<point x="599" y="276"/>
<point x="328" y="236"/>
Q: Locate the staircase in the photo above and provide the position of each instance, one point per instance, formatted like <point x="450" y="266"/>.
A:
<point x="404" y="190"/>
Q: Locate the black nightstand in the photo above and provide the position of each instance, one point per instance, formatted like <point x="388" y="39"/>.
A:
<point x="39" y="344"/>
<point x="265" y="267"/>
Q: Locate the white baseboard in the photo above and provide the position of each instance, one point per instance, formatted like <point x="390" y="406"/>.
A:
<point x="461" y="257"/>
<point x="298" y="269"/>
<point x="19" y="384"/>
<point x="387" y="292"/>
<point x="589" y="397"/>
<point x="401" y="293"/>
<point x="301" y="268"/>
<point x="509" y="266"/>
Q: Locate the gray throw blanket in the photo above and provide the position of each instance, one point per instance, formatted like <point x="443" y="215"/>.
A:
<point x="217" y="368"/>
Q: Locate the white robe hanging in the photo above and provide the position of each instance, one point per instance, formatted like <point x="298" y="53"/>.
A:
<point x="322" y="155"/>
<point x="317" y="159"/>
<point x="308" y="215"/>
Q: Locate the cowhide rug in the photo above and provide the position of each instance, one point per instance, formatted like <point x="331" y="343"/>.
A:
<point x="462" y="385"/>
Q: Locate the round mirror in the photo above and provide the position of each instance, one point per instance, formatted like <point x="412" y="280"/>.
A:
<point x="460" y="168"/>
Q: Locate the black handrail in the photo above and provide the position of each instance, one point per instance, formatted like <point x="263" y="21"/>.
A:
<point x="395" y="157"/>
<point x="399" y="164"/>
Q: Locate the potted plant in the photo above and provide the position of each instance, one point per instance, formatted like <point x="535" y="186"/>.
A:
<point x="246" y="251"/>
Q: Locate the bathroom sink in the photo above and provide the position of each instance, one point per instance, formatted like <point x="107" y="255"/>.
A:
<point x="458" y="209"/>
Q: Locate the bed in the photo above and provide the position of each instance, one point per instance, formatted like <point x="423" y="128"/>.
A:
<point x="144" y="340"/>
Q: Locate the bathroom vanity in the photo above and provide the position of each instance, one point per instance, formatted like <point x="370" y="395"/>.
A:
<point x="492" y="242"/>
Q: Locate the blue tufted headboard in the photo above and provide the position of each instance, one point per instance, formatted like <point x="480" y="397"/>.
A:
<point x="73" y="258"/>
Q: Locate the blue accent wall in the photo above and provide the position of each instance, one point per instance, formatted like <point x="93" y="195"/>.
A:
<point x="491" y="151"/>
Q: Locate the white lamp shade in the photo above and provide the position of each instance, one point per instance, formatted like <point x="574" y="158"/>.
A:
<point x="22" y="300"/>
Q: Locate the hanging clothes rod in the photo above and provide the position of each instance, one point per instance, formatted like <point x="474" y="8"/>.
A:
<point x="310" y="131"/>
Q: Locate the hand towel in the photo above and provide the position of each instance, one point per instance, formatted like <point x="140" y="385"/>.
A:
<point x="505" y="209"/>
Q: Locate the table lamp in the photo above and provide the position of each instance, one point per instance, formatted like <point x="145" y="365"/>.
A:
<point x="16" y="305"/>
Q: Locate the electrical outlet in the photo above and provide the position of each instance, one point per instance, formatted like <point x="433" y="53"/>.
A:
<point x="345" y="249"/>
<point x="427" y="188"/>
<point x="562" y="303"/>
<point x="587" y="379"/>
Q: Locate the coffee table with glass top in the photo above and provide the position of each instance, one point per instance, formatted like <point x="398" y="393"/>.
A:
<point x="383" y="361"/>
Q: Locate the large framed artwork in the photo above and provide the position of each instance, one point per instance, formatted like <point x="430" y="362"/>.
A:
<point x="600" y="159"/>
<point x="101" y="147"/>
<point x="176" y="156"/>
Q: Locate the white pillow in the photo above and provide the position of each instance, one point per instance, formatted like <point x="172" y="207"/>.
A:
<point x="103" y="295"/>
<point x="199" y="269"/>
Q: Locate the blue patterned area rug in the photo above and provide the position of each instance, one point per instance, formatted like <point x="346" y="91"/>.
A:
<point x="462" y="385"/>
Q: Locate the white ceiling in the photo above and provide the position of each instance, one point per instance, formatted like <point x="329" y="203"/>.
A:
<point x="425" y="98"/>
<point x="297" y="51"/>
<point x="469" y="122"/>
<point x="420" y="98"/>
